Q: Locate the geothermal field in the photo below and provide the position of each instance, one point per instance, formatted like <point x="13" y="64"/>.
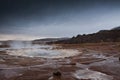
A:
<point x="26" y="61"/>
<point x="59" y="39"/>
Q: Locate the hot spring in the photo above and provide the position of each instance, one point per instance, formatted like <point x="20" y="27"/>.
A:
<point x="46" y="51"/>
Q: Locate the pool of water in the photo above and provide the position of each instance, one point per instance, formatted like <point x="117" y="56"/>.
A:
<point x="45" y="51"/>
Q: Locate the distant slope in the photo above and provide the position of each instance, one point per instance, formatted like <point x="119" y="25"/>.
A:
<point x="116" y="28"/>
<point x="48" y="40"/>
<point x="112" y="35"/>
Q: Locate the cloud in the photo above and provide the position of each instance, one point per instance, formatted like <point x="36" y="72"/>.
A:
<point x="56" y="18"/>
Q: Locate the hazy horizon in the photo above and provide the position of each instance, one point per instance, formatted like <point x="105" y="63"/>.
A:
<point x="34" y="19"/>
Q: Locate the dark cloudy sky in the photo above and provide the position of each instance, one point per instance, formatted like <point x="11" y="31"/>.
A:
<point x="30" y="19"/>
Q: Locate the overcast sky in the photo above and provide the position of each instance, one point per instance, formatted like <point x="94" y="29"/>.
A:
<point x="30" y="19"/>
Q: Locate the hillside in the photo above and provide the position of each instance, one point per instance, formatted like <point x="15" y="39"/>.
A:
<point x="112" y="35"/>
<point x="47" y="40"/>
<point x="116" y="28"/>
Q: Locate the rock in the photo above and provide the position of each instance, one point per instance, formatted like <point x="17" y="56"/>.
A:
<point x="56" y="76"/>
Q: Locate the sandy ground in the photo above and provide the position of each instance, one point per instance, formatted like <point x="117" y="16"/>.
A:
<point x="98" y="61"/>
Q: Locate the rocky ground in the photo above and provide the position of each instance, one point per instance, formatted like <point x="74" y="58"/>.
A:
<point x="98" y="61"/>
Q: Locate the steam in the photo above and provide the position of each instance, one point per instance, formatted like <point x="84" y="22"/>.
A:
<point x="20" y="44"/>
<point x="26" y="48"/>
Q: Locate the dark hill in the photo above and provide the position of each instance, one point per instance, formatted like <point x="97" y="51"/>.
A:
<point x="48" y="40"/>
<point x="112" y="35"/>
<point x="116" y="28"/>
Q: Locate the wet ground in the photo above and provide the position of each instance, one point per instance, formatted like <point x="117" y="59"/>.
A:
<point x="38" y="62"/>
